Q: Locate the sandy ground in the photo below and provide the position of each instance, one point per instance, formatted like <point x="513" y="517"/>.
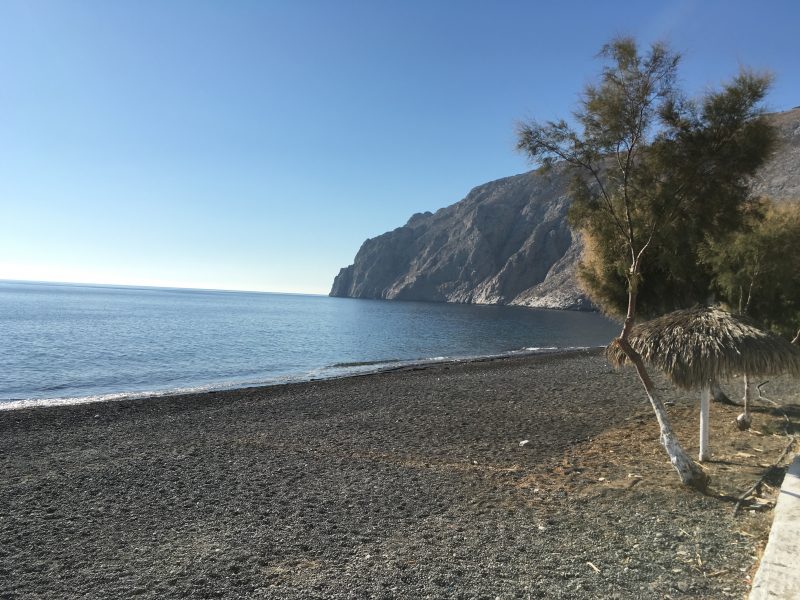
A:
<point x="405" y="484"/>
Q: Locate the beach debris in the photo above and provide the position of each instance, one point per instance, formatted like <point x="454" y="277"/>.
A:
<point x="744" y="421"/>
<point x="753" y="489"/>
<point x="746" y="534"/>
<point x="524" y="443"/>
<point x="594" y="567"/>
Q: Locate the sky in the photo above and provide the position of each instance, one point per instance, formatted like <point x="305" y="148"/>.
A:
<point x="255" y="145"/>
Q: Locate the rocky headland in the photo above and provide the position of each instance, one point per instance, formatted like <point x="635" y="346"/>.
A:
<point x="508" y="241"/>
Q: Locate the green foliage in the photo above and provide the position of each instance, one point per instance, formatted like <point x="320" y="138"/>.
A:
<point x="658" y="176"/>
<point x="757" y="269"/>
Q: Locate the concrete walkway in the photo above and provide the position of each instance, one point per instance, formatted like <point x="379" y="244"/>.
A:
<point x="778" y="577"/>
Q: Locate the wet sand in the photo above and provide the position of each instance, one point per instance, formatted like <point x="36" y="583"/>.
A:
<point x="404" y="484"/>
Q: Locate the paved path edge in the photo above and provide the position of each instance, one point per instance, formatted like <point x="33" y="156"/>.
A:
<point x="778" y="575"/>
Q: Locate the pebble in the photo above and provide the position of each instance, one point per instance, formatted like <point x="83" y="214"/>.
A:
<point x="241" y="507"/>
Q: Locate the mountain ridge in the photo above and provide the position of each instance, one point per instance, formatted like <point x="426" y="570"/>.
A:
<point x="508" y="241"/>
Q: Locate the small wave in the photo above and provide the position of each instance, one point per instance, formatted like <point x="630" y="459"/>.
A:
<point x="365" y="363"/>
<point x="324" y="373"/>
<point x="55" y="387"/>
<point x="558" y="349"/>
<point x="111" y="397"/>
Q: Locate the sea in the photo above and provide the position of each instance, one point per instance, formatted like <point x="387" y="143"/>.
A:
<point x="69" y="343"/>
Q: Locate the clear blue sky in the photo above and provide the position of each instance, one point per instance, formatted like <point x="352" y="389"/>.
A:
<point x="255" y="145"/>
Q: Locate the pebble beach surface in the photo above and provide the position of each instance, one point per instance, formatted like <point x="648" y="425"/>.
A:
<point x="403" y="484"/>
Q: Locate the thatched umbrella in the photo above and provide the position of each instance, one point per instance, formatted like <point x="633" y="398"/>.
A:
<point x="698" y="346"/>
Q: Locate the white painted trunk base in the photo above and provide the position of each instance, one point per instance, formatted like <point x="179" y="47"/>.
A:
<point x="691" y="474"/>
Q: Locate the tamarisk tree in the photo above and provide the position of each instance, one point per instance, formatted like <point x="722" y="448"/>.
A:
<point x="757" y="269"/>
<point x="757" y="273"/>
<point x="654" y="172"/>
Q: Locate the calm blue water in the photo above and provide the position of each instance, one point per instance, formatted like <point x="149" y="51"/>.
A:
<point x="73" y="341"/>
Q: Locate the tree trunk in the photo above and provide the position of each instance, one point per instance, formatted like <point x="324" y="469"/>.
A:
<point x="744" y="420"/>
<point x="689" y="472"/>
<point x="705" y="405"/>
<point x="719" y="395"/>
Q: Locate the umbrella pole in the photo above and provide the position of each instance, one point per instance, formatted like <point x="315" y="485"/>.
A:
<point x="747" y="397"/>
<point x="744" y="420"/>
<point x="705" y="405"/>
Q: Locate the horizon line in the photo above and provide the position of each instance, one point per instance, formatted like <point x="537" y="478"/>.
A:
<point x="154" y="287"/>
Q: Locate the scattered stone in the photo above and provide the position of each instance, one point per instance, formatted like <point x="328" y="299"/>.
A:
<point x="219" y="497"/>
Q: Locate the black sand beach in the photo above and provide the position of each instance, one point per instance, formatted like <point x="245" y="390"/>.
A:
<point x="405" y="484"/>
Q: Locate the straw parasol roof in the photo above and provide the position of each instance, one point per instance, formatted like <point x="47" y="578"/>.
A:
<point x="695" y="346"/>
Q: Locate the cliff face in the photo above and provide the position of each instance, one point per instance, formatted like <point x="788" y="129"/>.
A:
<point x="780" y="177"/>
<point x="508" y="241"/>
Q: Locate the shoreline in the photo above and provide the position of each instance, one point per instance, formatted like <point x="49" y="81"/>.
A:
<point x="407" y="483"/>
<point x="351" y="370"/>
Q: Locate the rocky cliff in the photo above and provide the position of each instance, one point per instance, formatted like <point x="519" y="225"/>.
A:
<point x="780" y="177"/>
<point x="508" y="241"/>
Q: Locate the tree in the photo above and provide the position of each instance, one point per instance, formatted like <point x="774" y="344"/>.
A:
<point x="757" y="269"/>
<point x="757" y="273"/>
<point x="702" y="159"/>
<point x="655" y="174"/>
